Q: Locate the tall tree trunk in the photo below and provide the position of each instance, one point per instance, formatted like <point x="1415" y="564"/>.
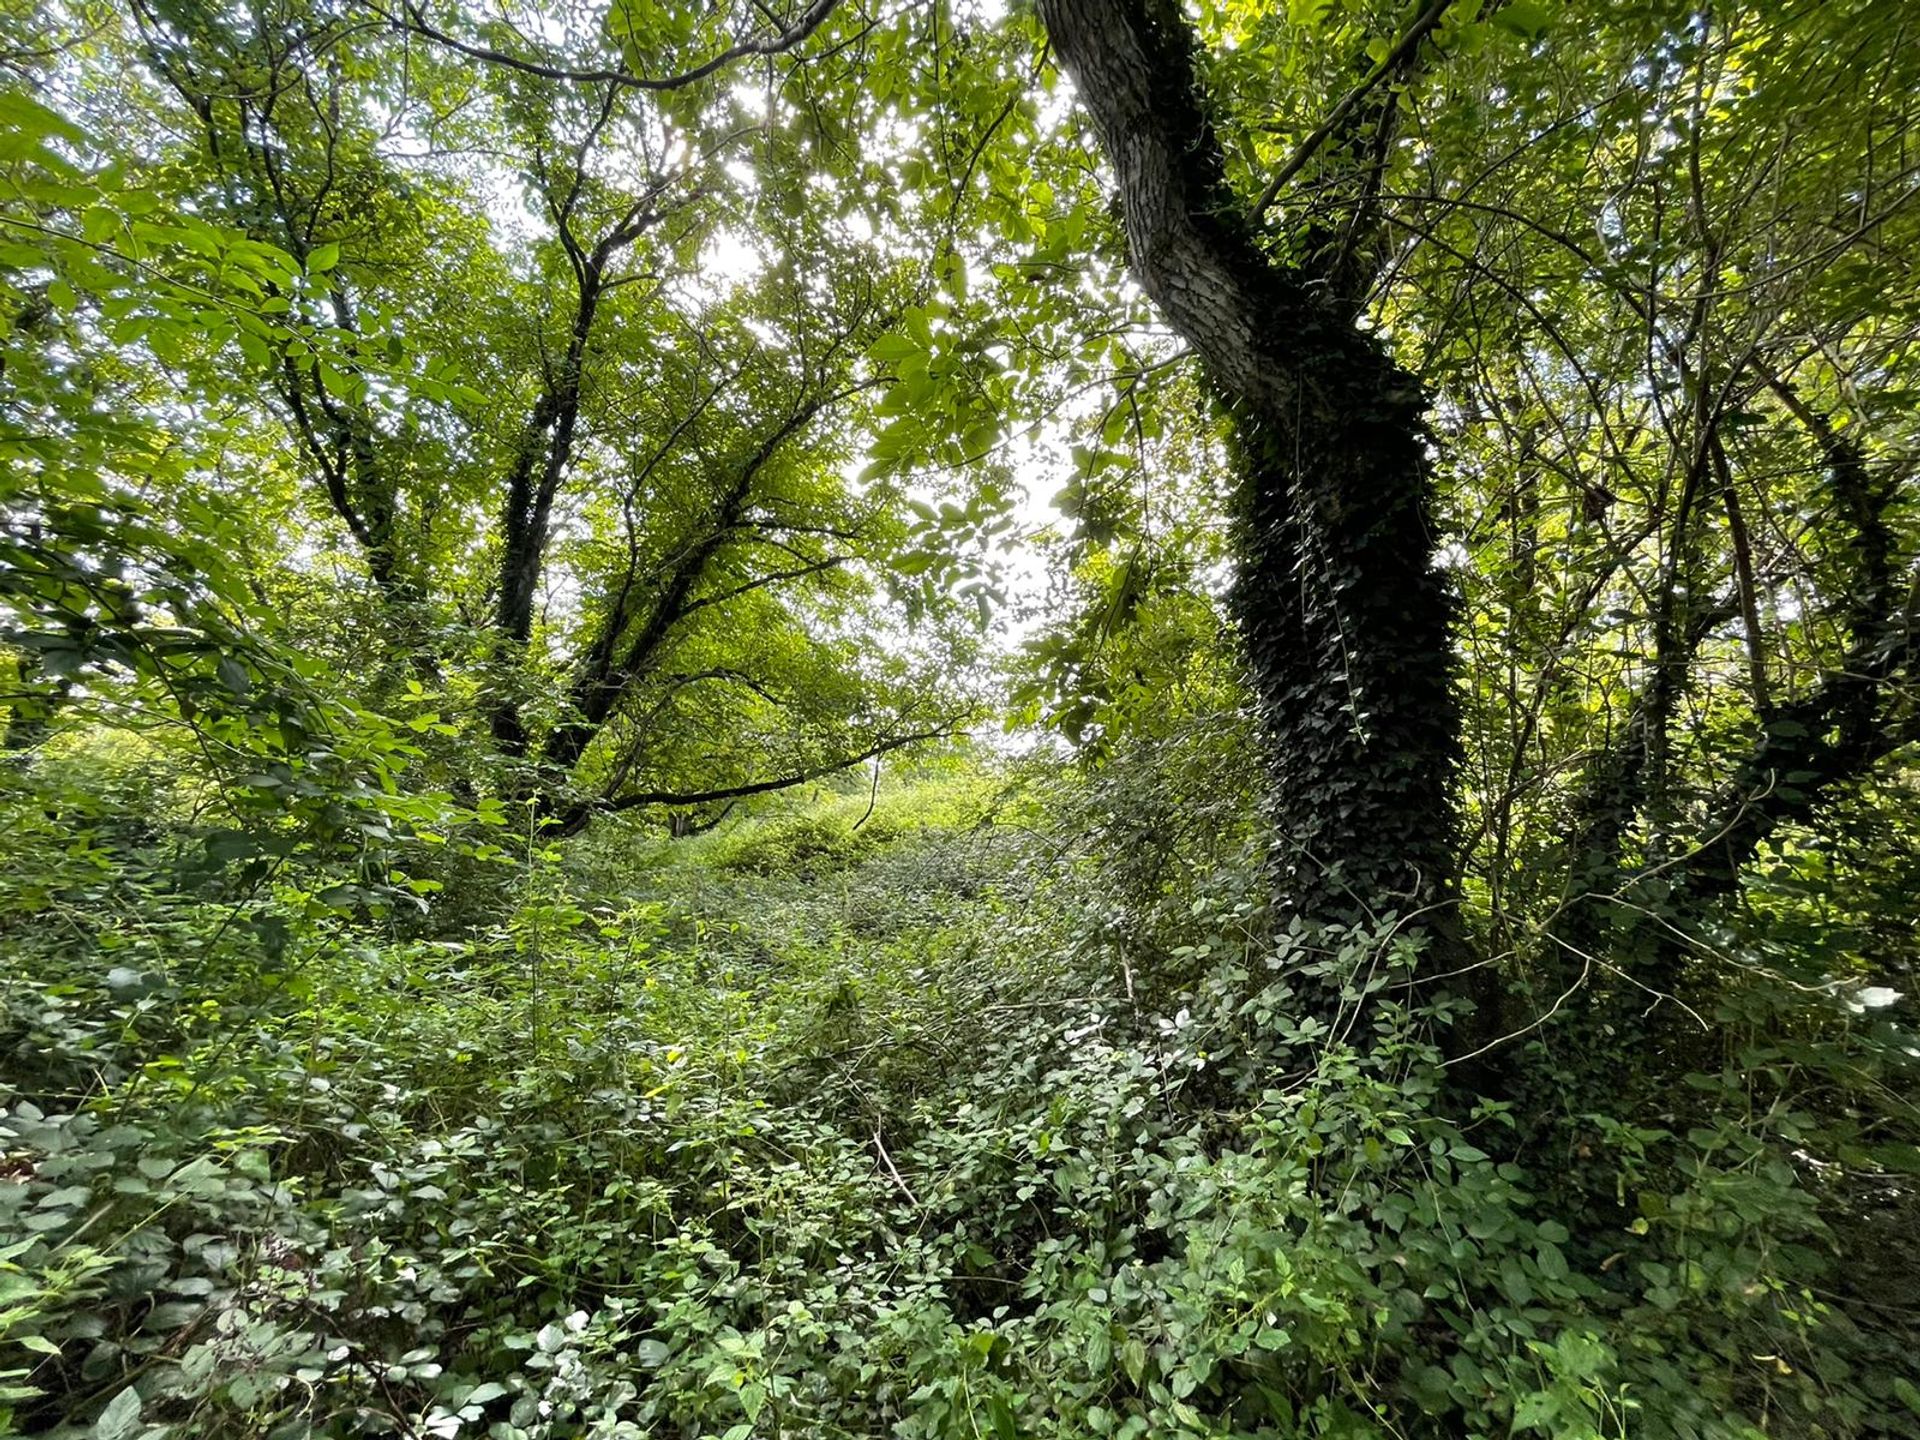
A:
<point x="1344" y="616"/>
<point x="1345" y="620"/>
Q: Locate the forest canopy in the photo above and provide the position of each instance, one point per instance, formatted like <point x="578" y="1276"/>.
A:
<point x="944" y="718"/>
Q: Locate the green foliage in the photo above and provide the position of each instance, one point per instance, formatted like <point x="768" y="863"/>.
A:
<point x="989" y="1127"/>
<point x="826" y="834"/>
<point x="436" y="1013"/>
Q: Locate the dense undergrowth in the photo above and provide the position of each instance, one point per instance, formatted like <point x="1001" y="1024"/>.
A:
<point x="974" y="1108"/>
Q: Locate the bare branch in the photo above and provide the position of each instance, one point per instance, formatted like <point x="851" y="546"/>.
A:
<point x="413" y="20"/>
<point x="772" y="577"/>
<point x="944" y="730"/>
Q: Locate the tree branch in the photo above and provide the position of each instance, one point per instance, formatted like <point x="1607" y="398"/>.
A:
<point x="735" y="677"/>
<point x="1396" y="61"/>
<point x="413" y="20"/>
<point x="773" y="577"/>
<point x="1841" y="729"/>
<point x="944" y="730"/>
<point x="606" y="672"/>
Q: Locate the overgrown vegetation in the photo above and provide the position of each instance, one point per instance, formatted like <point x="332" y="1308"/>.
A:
<point x="584" y="854"/>
<point x="979" y="1126"/>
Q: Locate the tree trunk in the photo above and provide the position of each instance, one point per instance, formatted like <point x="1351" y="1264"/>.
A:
<point x="1344" y="616"/>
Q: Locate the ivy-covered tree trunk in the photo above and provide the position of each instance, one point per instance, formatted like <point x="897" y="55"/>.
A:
<point x="1345" y="621"/>
<point x="1344" y="616"/>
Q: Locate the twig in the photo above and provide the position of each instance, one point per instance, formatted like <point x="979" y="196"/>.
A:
<point x="1408" y="42"/>
<point x="885" y="1159"/>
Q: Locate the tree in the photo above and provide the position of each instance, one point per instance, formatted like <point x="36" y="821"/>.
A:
<point x="622" y="477"/>
<point x="1625" y="418"/>
<point x="1343" y="613"/>
<point x="1516" y="402"/>
<point x="425" y="426"/>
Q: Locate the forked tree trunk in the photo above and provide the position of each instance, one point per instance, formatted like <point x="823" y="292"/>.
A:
<point x="1344" y="616"/>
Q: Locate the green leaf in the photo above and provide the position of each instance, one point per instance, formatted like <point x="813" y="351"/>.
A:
<point x="1535" y="1411"/>
<point x="1907" y="1393"/>
<point x="26" y="119"/>
<point x="121" y="1418"/>
<point x="1901" y="1158"/>
<point x="1528" y="19"/>
<point x="894" y="348"/>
